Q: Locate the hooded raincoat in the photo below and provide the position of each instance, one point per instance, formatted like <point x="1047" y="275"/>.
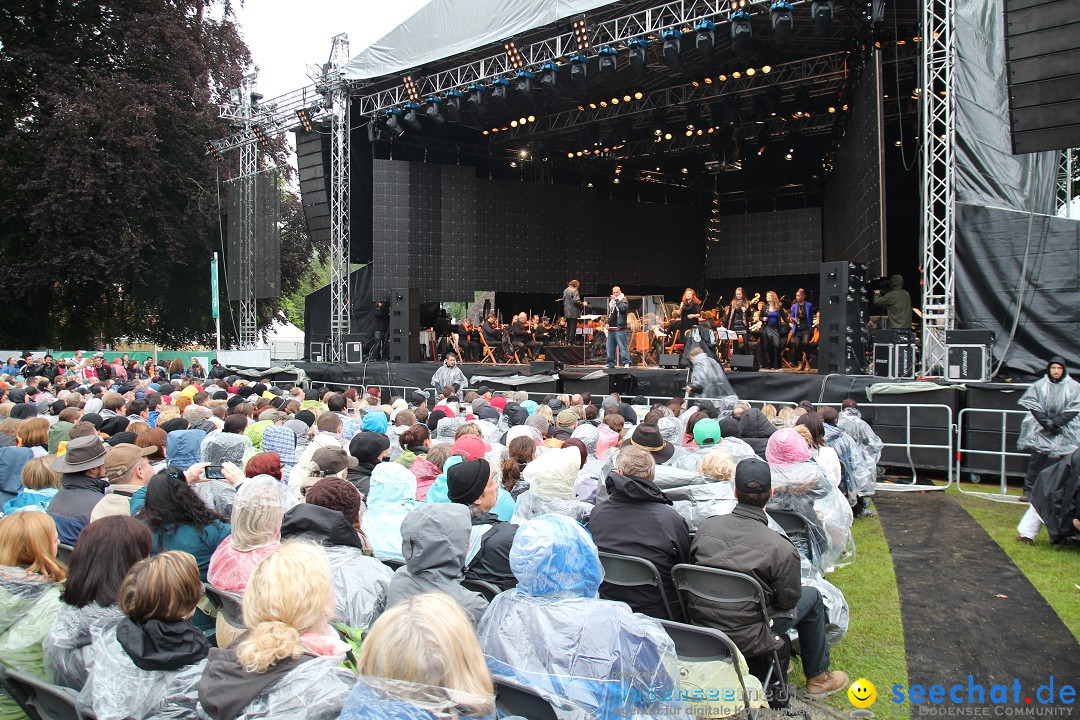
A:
<point x="435" y="540"/>
<point x="869" y="446"/>
<point x="1051" y="427"/>
<point x="393" y="495"/>
<point x="551" y="478"/>
<point x="591" y="658"/>
<point x="29" y="604"/>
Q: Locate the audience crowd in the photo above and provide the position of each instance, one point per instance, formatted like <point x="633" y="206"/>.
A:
<point x="181" y="546"/>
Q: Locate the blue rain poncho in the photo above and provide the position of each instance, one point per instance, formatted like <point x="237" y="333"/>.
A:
<point x="392" y="496"/>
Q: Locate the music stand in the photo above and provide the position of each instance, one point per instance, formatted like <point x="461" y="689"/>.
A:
<point x="584" y="344"/>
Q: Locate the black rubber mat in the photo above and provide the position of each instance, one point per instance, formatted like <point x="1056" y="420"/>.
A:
<point x="951" y="576"/>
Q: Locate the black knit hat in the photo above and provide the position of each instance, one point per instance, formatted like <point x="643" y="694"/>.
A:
<point x="466" y="481"/>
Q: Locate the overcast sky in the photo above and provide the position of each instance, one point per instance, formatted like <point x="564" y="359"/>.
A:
<point x="286" y="37"/>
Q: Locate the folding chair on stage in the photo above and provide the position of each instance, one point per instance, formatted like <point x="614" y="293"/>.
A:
<point x="628" y="571"/>
<point x="488" y="353"/>
<point x="728" y="587"/>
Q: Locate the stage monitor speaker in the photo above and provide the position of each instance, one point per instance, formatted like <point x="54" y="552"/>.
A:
<point x="744" y="362"/>
<point x="404" y="337"/>
<point x="844" y="338"/>
<point x="542" y="366"/>
<point x="354" y="349"/>
<point x="315" y="352"/>
<point x="670" y="360"/>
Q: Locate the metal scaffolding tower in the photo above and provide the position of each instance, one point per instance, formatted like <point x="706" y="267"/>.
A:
<point x="1065" y="184"/>
<point x="242" y="109"/>
<point x="939" y="183"/>
<point x="339" y="198"/>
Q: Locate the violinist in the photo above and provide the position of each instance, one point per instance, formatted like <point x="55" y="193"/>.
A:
<point x="491" y="331"/>
<point x="738" y="320"/>
<point x="545" y="333"/>
<point x="802" y="313"/>
<point x="772" y="317"/>
<point x="521" y="336"/>
<point x="469" y="340"/>
<point x="689" y="312"/>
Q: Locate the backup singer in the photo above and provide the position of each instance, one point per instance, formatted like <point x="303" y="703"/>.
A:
<point x="772" y="317"/>
<point x="802" y="327"/>
<point x="571" y="301"/>
<point x="689" y="312"/>
<point x="738" y="320"/>
<point x="617" y="308"/>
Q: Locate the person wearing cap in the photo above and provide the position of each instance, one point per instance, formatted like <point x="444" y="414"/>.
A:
<point x="326" y="462"/>
<point x="329" y="435"/>
<point x="449" y="374"/>
<point x="126" y="469"/>
<point x="637" y="519"/>
<point x="473" y="484"/>
<point x="82" y="486"/>
<point x="709" y="435"/>
<point x="565" y="424"/>
<point x="743" y="542"/>
<point x="370" y="449"/>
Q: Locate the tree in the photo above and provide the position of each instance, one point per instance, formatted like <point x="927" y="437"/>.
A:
<point x="110" y="206"/>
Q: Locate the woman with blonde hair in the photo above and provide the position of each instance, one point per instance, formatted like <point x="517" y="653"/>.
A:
<point x="421" y="659"/>
<point x="30" y="578"/>
<point x="34" y="434"/>
<point x="288" y="665"/>
<point x="39" y="484"/>
<point x="772" y="317"/>
<point x="149" y="665"/>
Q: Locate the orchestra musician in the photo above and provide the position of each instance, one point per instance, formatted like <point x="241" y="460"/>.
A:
<point x="521" y="336"/>
<point x="802" y="314"/>
<point x="469" y="341"/>
<point x="738" y="320"/>
<point x="444" y="333"/>
<point x="572" y="306"/>
<point x="491" y="331"/>
<point x="772" y="317"/>
<point x="545" y="333"/>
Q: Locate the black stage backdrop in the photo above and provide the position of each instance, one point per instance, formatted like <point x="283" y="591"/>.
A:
<point x="785" y="242"/>
<point x="441" y="229"/>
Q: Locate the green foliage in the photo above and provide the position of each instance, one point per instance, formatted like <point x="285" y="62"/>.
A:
<point x="110" y="203"/>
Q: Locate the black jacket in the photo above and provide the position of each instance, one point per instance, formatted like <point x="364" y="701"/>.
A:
<point x="226" y="689"/>
<point x="319" y="524"/>
<point x="1056" y="497"/>
<point x="70" y="508"/>
<point x="360" y="476"/>
<point x="756" y="430"/>
<point x="492" y="562"/>
<point x="637" y="519"/>
<point x="744" y="542"/>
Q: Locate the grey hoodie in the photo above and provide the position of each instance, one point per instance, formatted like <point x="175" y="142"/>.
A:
<point x="435" y="541"/>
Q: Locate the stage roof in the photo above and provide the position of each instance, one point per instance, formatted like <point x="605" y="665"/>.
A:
<point x="444" y="28"/>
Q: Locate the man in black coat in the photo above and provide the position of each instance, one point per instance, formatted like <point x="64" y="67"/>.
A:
<point x="638" y="520"/>
<point x="473" y="484"/>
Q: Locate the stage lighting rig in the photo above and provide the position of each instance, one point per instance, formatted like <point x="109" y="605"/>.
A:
<point x="773" y="99"/>
<point x="474" y="101"/>
<point x="607" y="58"/>
<point x="496" y="99"/>
<point x="672" y="47"/>
<point x="659" y="121"/>
<point x="523" y="86"/>
<point x="394" y="122"/>
<point x="802" y="102"/>
<point x="821" y="13"/>
<point x="260" y="135"/>
<point x="579" y="73"/>
<point x="304" y="116"/>
<point x="451" y="107"/>
<point x="742" y="32"/>
<point x="693" y="116"/>
<point x="434" y="110"/>
<point x="410" y="88"/>
<point x="581" y="35"/>
<point x="763" y="138"/>
<point x="411" y="116"/>
<point x="212" y="151"/>
<point x="513" y="55"/>
<point x="636" y="51"/>
<point x="549" y="80"/>
<point x="783" y="20"/>
<point x="705" y="39"/>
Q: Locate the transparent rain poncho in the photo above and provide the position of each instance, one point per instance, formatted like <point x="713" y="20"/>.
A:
<point x="836" y="606"/>
<point x="117" y="689"/>
<point x="800" y="486"/>
<point x="392" y="496"/>
<point x="1050" y="399"/>
<point x="867" y="443"/>
<point x="313" y="690"/>
<point x="68" y="652"/>
<point x="551" y="478"/>
<point x="591" y="658"/>
<point x="230" y="566"/>
<point x="382" y="699"/>
<point x="29" y="604"/>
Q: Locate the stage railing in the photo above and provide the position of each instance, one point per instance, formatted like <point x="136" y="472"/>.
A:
<point x="1003" y="452"/>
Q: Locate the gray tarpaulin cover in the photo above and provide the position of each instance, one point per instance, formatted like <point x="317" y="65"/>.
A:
<point x="444" y="28"/>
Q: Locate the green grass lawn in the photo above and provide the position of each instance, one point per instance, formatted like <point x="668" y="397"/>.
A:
<point x="1054" y="574"/>
<point x="874" y="645"/>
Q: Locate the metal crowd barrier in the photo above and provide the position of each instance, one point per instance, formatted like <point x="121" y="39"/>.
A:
<point x="1003" y="453"/>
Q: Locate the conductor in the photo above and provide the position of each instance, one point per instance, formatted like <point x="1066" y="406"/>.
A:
<point x="571" y="301"/>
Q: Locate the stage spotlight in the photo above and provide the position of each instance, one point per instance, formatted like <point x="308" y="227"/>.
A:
<point x="523" y="85"/>
<point x="672" y="47"/>
<point x="412" y="116"/>
<point x="434" y="110"/>
<point x="581" y="35"/>
<point x="742" y="32"/>
<point x="410" y="88"/>
<point x="705" y="40"/>
<point x="451" y="107"/>
<point x="659" y="121"/>
<point x="513" y="55"/>
<point x="260" y="135"/>
<point x="766" y="69"/>
<point x="606" y="62"/>
<point x="474" y="101"/>
<point x="730" y="110"/>
<point x="213" y="151"/>
<point x="783" y="20"/>
<point x="802" y="102"/>
<point x="549" y="80"/>
<point x="496" y="100"/>
<point x="821" y="12"/>
<point x="579" y="73"/>
<point x="773" y="99"/>
<point x="636" y="52"/>
<point x="394" y="122"/>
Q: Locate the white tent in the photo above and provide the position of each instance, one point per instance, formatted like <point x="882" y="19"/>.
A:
<point x="285" y="340"/>
<point x="444" y="28"/>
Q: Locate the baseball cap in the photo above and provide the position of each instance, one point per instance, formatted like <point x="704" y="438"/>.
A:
<point x="752" y="475"/>
<point x="124" y="456"/>
<point x="706" y="432"/>
<point x="333" y="460"/>
<point x="470" y="447"/>
<point x="566" y="418"/>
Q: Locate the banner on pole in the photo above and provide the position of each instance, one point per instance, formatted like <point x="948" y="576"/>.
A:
<point x="214" y="287"/>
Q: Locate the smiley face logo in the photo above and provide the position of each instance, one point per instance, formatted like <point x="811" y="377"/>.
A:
<point x="862" y="693"/>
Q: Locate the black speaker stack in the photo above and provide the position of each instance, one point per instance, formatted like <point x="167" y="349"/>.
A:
<point x="843" y="337"/>
<point x="404" y="337"/>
